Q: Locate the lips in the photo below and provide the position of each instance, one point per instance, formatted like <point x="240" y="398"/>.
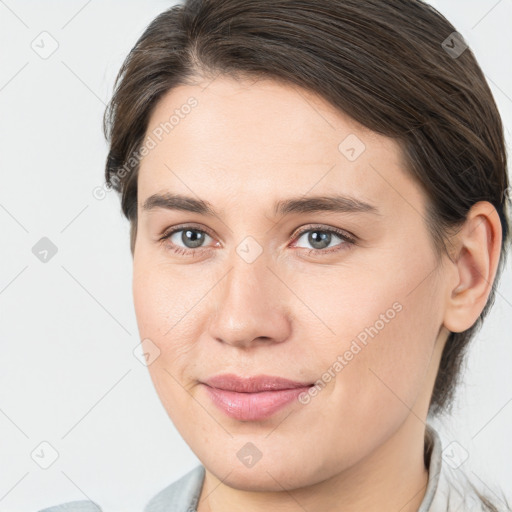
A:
<point x="252" y="398"/>
<point x="255" y="384"/>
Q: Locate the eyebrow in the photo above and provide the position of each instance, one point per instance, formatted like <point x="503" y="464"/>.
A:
<point x="298" y="205"/>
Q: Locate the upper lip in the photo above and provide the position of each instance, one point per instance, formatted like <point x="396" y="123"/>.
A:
<point x="232" y="382"/>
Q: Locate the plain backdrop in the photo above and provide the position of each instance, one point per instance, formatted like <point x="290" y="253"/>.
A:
<point x="73" y="396"/>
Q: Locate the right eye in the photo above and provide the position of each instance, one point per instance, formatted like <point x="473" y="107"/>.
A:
<point x="191" y="237"/>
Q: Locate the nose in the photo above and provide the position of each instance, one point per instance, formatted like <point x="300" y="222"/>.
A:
<point x="250" y="306"/>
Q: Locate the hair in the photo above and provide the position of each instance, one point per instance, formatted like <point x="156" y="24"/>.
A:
<point x="387" y="64"/>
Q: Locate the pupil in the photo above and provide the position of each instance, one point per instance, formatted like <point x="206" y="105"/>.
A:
<point x="194" y="238"/>
<point x="325" y="239"/>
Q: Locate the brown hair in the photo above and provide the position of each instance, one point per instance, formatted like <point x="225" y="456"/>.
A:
<point x="395" y="66"/>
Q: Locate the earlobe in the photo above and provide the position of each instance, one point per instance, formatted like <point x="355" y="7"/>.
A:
<point x="475" y="266"/>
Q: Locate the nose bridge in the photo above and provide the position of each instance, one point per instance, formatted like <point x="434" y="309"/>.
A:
<point x="248" y="309"/>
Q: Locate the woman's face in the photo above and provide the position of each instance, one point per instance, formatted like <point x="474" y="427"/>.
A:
<point x="316" y="291"/>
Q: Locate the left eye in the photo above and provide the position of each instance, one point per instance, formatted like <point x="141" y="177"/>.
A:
<point x="321" y="238"/>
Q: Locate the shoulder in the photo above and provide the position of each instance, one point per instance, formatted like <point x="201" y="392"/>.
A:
<point x="459" y="492"/>
<point x="452" y="489"/>
<point x="74" y="506"/>
<point x="180" y="496"/>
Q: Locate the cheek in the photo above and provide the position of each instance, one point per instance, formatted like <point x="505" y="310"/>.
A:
<point x="162" y="312"/>
<point x="149" y="298"/>
<point x="161" y="298"/>
<point x="386" y="333"/>
<point x="162" y="318"/>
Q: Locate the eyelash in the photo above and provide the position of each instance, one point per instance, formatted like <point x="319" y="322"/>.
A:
<point x="345" y="237"/>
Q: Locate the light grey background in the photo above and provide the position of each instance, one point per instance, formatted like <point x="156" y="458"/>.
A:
<point x="68" y="375"/>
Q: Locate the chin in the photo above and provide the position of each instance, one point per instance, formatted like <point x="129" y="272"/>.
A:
<point x="268" y="478"/>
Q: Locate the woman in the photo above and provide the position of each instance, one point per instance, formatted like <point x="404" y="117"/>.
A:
<point x="317" y="193"/>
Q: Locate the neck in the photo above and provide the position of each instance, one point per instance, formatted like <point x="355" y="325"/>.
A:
<point x="393" y="477"/>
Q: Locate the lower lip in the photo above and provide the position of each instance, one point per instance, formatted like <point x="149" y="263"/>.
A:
<point x="252" y="406"/>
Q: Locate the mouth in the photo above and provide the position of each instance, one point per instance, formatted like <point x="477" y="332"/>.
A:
<point x="255" y="384"/>
<point x="252" y="398"/>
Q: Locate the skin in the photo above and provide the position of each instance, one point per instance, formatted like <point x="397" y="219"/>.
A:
<point x="357" y="445"/>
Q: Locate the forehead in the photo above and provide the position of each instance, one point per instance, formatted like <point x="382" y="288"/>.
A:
<point x="262" y="138"/>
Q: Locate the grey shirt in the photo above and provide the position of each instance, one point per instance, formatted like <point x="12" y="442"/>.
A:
<point x="446" y="490"/>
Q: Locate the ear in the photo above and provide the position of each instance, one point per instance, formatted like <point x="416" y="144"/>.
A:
<point x="474" y="266"/>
